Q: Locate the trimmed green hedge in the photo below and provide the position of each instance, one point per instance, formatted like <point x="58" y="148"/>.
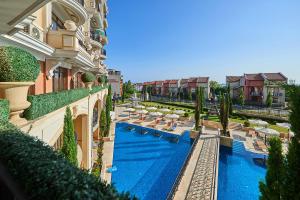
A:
<point x="17" y="65"/>
<point x="47" y="103"/>
<point x="268" y="118"/>
<point x="178" y="105"/>
<point x="44" y="174"/>
<point x="96" y="89"/>
<point x="4" y="110"/>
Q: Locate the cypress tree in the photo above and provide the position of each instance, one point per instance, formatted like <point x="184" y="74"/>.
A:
<point x="269" y="100"/>
<point x="229" y="101"/>
<point x="69" y="148"/>
<point x="224" y="113"/>
<point x="197" y="109"/>
<point x="103" y="124"/>
<point x="241" y="97"/>
<point x="108" y="109"/>
<point x="272" y="188"/>
<point x="292" y="182"/>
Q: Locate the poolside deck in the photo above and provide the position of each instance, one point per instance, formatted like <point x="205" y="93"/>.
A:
<point x="200" y="177"/>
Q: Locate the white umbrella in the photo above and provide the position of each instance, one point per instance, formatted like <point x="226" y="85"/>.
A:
<point x="155" y="114"/>
<point x="164" y="110"/>
<point x="258" y="122"/>
<point x="129" y="110"/>
<point x="267" y="132"/>
<point x="139" y="107"/>
<point x="172" y="116"/>
<point x="141" y="112"/>
<point x="179" y="112"/>
<point x="284" y="125"/>
<point x="151" y="108"/>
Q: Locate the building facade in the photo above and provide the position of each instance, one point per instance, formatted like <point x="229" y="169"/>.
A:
<point x="68" y="38"/>
<point x="115" y="79"/>
<point x="256" y="87"/>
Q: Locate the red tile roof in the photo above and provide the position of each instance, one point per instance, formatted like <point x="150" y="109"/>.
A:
<point x="275" y="77"/>
<point x="202" y="79"/>
<point x="173" y="81"/>
<point x="231" y="79"/>
<point x="254" y="77"/>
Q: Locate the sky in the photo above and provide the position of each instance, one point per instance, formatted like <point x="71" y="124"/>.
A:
<point x="170" y="39"/>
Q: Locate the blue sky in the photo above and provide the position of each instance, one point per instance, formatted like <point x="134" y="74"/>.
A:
<point x="168" y="39"/>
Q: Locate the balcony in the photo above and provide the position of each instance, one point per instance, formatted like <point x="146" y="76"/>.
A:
<point x="63" y="39"/>
<point x="81" y="2"/>
<point x="99" y="35"/>
<point x="277" y="94"/>
<point x="256" y="94"/>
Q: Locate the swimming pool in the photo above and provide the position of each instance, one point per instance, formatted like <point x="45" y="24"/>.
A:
<point x="239" y="173"/>
<point x="147" y="164"/>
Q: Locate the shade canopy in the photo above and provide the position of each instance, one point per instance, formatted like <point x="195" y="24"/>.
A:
<point x="267" y="131"/>
<point x="258" y="122"/>
<point x="139" y="107"/>
<point x="284" y="125"/>
<point x="155" y="114"/>
<point x="142" y="111"/>
<point x="179" y="112"/>
<point x="164" y="110"/>
<point x="151" y="108"/>
<point x="172" y="116"/>
<point x="129" y="110"/>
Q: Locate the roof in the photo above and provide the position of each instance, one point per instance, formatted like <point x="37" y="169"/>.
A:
<point x="231" y="79"/>
<point x="266" y="76"/>
<point x="173" y="81"/>
<point x="275" y="76"/>
<point x="254" y="77"/>
<point x="202" y="79"/>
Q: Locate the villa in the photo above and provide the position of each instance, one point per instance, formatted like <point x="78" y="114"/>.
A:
<point x="115" y="79"/>
<point x="256" y="87"/>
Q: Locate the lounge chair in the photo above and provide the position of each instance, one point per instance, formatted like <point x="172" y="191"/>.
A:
<point x="173" y="127"/>
<point x="152" y="125"/>
<point x="138" y="121"/>
<point x="166" y="127"/>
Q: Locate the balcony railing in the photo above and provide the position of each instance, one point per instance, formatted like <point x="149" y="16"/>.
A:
<point x="255" y="94"/>
<point x="63" y="39"/>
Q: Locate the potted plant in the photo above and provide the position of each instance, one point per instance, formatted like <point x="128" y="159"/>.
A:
<point x="88" y="78"/>
<point x="101" y="80"/>
<point x="19" y="70"/>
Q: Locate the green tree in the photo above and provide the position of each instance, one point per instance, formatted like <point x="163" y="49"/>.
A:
<point x="229" y="101"/>
<point x="292" y="182"/>
<point x="241" y="99"/>
<point x="108" y="109"/>
<point x="103" y="124"/>
<point x="69" y="148"/>
<point x="269" y="100"/>
<point x="189" y="97"/>
<point x="123" y="93"/>
<point x="224" y="113"/>
<point x="272" y="188"/>
<point x="198" y="106"/>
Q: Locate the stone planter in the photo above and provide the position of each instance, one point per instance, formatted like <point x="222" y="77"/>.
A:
<point x="194" y="134"/>
<point x="88" y="85"/>
<point x="226" y="141"/>
<point x="16" y="93"/>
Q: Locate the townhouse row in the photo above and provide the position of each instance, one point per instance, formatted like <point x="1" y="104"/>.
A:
<point x="254" y="87"/>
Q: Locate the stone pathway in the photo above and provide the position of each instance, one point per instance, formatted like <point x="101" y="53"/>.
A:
<point x="202" y="185"/>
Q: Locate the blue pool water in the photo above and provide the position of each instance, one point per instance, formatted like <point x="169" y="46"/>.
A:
<point x="147" y="165"/>
<point x="239" y="173"/>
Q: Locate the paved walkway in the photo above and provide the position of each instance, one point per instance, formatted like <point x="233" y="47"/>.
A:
<point x="204" y="180"/>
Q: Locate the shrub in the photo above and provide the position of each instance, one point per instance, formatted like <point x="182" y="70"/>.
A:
<point x="103" y="124"/>
<point x="96" y="89"/>
<point x="186" y="115"/>
<point x="69" y="148"/>
<point x="17" y="65"/>
<point x="101" y="79"/>
<point x="247" y="124"/>
<point x="4" y="110"/>
<point x="88" y="77"/>
<point x="44" y="174"/>
<point x="46" y="103"/>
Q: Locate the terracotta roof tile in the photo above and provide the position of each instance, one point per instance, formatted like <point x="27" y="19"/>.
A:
<point x="231" y="79"/>
<point x="275" y="77"/>
<point x="254" y="77"/>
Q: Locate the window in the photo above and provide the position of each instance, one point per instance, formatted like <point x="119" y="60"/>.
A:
<point x="77" y="83"/>
<point x="59" y="79"/>
<point x="57" y="23"/>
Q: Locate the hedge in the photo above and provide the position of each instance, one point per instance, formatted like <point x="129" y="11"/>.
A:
<point x="178" y="105"/>
<point x="42" y="173"/>
<point x="47" y="103"/>
<point x="96" y="89"/>
<point x="17" y="65"/>
<point x="4" y="110"/>
<point x="268" y="118"/>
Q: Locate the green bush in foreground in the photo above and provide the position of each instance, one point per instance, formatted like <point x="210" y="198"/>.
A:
<point x="69" y="148"/>
<point x="17" y="65"/>
<point x="4" y="110"/>
<point x="44" y="174"/>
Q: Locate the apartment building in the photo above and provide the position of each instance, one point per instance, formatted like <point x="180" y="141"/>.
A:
<point x="115" y="79"/>
<point x="67" y="37"/>
<point x="256" y="87"/>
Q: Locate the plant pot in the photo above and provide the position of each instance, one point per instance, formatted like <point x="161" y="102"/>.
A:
<point x="88" y="85"/>
<point x="16" y="93"/>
